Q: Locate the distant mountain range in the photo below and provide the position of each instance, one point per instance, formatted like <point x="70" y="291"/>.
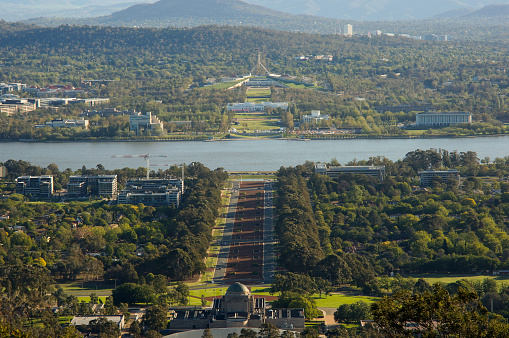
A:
<point x="357" y="10"/>
<point x="374" y="10"/>
<point x="14" y="10"/>
<point x="215" y="10"/>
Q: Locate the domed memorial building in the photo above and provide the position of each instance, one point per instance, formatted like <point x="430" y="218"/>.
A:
<point x="237" y="308"/>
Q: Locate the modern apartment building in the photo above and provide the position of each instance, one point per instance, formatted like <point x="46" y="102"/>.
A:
<point x="154" y="192"/>
<point x="37" y="186"/>
<point x="426" y="177"/>
<point x="442" y="118"/>
<point x="101" y="185"/>
<point x="375" y="171"/>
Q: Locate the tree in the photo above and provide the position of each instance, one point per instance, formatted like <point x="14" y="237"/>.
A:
<point x="268" y="331"/>
<point x="436" y="313"/>
<point x="135" y="329"/>
<point x="207" y="333"/>
<point x="352" y="312"/>
<point x="247" y="333"/>
<point x="155" y="318"/>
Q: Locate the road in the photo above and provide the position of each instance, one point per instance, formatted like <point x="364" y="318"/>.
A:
<point x="224" y="245"/>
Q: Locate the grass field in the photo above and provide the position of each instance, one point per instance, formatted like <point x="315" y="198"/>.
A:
<point x="442" y="278"/>
<point x="258" y="92"/>
<point x="222" y="85"/>
<point x="335" y="300"/>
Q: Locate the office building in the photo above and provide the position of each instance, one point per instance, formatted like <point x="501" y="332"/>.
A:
<point x="144" y="121"/>
<point x="333" y="172"/>
<point x="36" y="186"/>
<point x="348" y="30"/>
<point x="315" y="117"/>
<point x="440" y="119"/>
<point x="426" y="177"/>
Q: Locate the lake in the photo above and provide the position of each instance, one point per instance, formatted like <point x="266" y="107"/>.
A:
<point x="238" y="155"/>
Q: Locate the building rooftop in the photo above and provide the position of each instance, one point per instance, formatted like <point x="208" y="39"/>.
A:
<point x="237" y="288"/>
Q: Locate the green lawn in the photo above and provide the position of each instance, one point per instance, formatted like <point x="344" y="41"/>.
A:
<point x="335" y="300"/>
<point x="222" y="85"/>
<point x="258" y="92"/>
<point x="87" y="287"/>
<point x="443" y="278"/>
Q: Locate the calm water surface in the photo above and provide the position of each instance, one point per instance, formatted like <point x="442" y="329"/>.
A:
<point x="238" y="155"/>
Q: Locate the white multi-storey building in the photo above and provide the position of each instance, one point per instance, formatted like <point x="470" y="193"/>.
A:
<point x="144" y="121"/>
<point x="252" y="106"/>
<point x="442" y="118"/>
<point x="348" y="30"/>
<point x="315" y="117"/>
<point x="376" y="171"/>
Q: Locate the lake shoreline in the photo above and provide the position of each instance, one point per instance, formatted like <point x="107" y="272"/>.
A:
<point x="253" y="138"/>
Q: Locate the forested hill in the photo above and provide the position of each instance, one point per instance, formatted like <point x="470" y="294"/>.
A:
<point x="193" y="41"/>
<point x="234" y="10"/>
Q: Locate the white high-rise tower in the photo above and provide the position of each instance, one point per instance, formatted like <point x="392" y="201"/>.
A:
<point x="348" y="30"/>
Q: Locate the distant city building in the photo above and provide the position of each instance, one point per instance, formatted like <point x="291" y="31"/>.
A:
<point x="37" y="186"/>
<point x="264" y="82"/>
<point x="3" y="171"/>
<point x="426" y="177"/>
<point x="435" y="37"/>
<point x="144" y="121"/>
<point x="108" y="112"/>
<point x="84" y="185"/>
<point x="60" y="101"/>
<point x="442" y="118"/>
<point x="154" y="192"/>
<point x="9" y="87"/>
<point x="348" y="30"/>
<point x="85" y="320"/>
<point x="12" y="104"/>
<point x="315" y="117"/>
<point x="237" y="308"/>
<point x="234" y="77"/>
<point x="403" y="108"/>
<point x="258" y="106"/>
<point x="375" y="171"/>
<point x="51" y="90"/>
<point x="59" y="123"/>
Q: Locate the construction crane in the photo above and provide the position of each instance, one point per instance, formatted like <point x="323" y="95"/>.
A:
<point x="146" y="157"/>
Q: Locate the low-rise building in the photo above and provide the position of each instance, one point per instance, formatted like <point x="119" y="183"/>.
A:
<point x="258" y="106"/>
<point x="60" y="123"/>
<point x="315" y="117"/>
<point x="37" y="186"/>
<point x="440" y="119"/>
<point x="85" y="320"/>
<point x="426" y="177"/>
<point x="144" y="121"/>
<point x="375" y="171"/>
<point x="9" y="87"/>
